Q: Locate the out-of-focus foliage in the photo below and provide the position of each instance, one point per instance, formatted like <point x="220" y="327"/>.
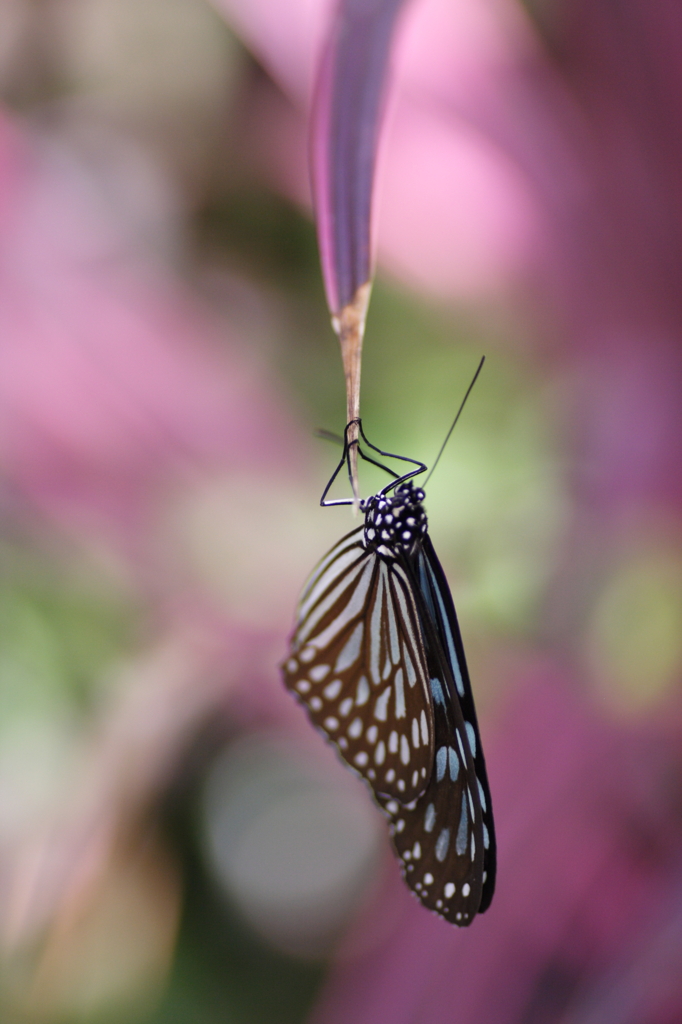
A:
<point x="170" y="845"/>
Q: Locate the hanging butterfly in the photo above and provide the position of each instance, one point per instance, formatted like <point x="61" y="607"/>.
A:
<point x="377" y="660"/>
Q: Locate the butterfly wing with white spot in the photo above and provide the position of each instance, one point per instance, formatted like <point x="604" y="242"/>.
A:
<point x="445" y="840"/>
<point x="436" y="602"/>
<point x="439" y="838"/>
<point x="358" y="665"/>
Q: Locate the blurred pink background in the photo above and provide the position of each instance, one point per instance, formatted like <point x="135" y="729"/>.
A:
<point x="175" y="844"/>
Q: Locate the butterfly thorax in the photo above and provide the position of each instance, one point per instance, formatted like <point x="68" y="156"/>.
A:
<point x="395" y="523"/>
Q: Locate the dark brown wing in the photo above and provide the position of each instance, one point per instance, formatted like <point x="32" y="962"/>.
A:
<point x="445" y="840"/>
<point x="357" y="663"/>
<point x="439" y="837"/>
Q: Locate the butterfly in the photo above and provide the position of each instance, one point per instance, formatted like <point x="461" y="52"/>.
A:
<point x="377" y="660"/>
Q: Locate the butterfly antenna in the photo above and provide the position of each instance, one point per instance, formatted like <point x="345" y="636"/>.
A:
<point x="454" y="422"/>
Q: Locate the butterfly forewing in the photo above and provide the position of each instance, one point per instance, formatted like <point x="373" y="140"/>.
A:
<point x="358" y="665"/>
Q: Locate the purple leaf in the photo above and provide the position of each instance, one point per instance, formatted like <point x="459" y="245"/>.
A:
<point x="347" y="114"/>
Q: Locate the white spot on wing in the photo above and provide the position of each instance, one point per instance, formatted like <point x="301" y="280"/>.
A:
<point x="442" y="844"/>
<point x="361" y="759"/>
<point x="437" y="691"/>
<point x="355" y="728"/>
<point x="399" y="695"/>
<point x="381" y="706"/>
<point x="351" y="652"/>
<point x="393" y="634"/>
<point x="441" y="762"/>
<point x="315" y="703"/>
<point x="415" y="733"/>
<point x="362" y="695"/>
<point x="466" y="889"/>
<point x="424" y="728"/>
<point x="333" y="689"/>
<point x="393" y="742"/>
<point x="345" y="706"/>
<point x="375" y="628"/>
<point x="461" y="840"/>
<point x="380" y="752"/>
<point x="409" y="667"/>
<point x="449" y="890"/>
<point x="471" y="736"/>
<point x="372" y="734"/>
<point x="404" y="749"/>
<point x="429" y="818"/>
<point x="318" y="672"/>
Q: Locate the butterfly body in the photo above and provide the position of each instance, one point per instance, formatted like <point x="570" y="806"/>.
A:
<point x="377" y="660"/>
<point x="395" y="523"/>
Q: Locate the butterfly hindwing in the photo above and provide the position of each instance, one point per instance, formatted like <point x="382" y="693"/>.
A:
<point x="445" y="839"/>
<point x="438" y="607"/>
<point x="358" y="665"/>
<point x="436" y="836"/>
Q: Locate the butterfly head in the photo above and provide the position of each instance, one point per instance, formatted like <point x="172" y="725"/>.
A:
<point x="395" y="523"/>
